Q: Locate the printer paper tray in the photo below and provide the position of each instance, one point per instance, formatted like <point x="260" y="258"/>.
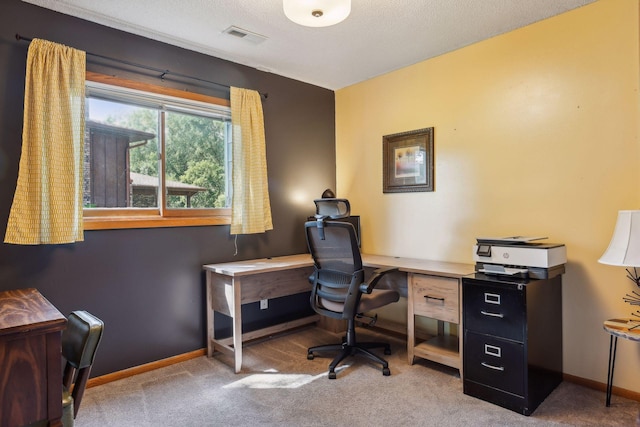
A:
<point x="503" y="271"/>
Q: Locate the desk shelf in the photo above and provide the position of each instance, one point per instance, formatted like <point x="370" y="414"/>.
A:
<point x="444" y="349"/>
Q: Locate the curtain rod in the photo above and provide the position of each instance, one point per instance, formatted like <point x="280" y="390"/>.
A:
<point x="162" y="72"/>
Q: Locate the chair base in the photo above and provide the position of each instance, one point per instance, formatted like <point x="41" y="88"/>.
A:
<point x="346" y="350"/>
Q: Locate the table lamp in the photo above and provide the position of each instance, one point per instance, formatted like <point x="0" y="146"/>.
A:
<point x="624" y="251"/>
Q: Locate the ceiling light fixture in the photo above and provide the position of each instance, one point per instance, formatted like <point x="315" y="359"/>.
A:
<point x="317" y="13"/>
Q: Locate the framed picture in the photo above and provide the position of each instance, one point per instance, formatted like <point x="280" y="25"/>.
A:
<point x="407" y="161"/>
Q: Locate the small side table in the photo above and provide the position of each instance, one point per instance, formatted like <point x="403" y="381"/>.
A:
<point x="624" y="328"/>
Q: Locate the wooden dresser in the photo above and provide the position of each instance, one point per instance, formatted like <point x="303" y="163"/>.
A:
<point x="30" y="359"/>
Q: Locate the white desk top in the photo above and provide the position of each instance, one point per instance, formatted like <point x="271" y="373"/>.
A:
<point x="411" y="265"/>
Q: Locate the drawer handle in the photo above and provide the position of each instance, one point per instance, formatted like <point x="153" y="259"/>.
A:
<point x="488" y="313"/>
<point x="495" y="368"/>
<point x="428" y="297"/>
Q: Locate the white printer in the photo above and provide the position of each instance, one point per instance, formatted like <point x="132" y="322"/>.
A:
<point x="519" y="256"/>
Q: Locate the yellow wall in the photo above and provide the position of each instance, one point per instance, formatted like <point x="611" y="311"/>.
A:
<point x="536" y="133"/>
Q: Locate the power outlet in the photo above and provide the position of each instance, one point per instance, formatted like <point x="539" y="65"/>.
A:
<point x="264" y="304"/>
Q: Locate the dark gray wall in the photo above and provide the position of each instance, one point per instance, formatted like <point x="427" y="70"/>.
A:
<point x="147" y="284"/>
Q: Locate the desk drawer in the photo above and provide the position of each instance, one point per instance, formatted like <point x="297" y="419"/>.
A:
<point x="435" y="297"/>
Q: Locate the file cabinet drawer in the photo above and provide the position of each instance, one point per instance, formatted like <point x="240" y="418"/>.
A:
<point x="495" y="310"/>
<point x="435" y="297"/>
<point x="494" y="362"/>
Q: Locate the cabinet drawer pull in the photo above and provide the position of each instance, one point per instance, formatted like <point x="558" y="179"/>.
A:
<point x="428" y="297"/>
<point x="496" y="368"/>
<point x="488" y="313"/>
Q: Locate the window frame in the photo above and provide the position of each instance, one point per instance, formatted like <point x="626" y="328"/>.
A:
<point x="114" y="218"/>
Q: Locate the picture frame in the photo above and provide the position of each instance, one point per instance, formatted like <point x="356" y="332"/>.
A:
<point x="407" y="161"/>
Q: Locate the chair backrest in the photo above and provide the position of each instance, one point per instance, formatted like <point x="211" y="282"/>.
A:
<point x="338" y="268"/>
<point x="79" y="344"/>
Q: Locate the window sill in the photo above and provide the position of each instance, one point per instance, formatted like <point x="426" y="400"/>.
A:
<point x="125" y="222"/>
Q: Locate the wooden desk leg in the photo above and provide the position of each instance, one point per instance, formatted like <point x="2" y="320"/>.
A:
<point x="411" y="321"/>
<point x="209" y="305"/>
<point x="237" y="323"/>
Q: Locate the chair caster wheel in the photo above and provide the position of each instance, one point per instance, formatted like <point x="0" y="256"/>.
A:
<point x="386" y="372"/>
<point x="332" y="375"/>
<point x="310" y="356"/>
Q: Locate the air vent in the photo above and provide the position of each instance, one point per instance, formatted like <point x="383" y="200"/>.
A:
<point x="244" y="35"/>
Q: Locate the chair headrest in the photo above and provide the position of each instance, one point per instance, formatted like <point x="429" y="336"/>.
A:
<point x="332" y="208"/>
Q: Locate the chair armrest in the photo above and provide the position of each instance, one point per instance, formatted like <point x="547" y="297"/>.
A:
<point x="370" y="284"/>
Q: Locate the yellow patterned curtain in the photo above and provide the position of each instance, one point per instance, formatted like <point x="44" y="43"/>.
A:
<point x="250" y="206"/>
<point x="47" y="205"/>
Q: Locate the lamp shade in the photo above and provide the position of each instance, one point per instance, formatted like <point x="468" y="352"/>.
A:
<point x="624" y="248"/>
<point x="317" y="13"/>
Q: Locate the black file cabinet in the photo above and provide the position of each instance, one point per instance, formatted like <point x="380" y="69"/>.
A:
<point x="512" y="352"/>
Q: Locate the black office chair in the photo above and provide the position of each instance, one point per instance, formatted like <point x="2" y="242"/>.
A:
<point x="79" y="344"/>
<point x="339" y="288"/>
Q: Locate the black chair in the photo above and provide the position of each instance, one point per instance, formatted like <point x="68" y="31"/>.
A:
<point x="339" y="288"/>
<point x="79" y="344"/>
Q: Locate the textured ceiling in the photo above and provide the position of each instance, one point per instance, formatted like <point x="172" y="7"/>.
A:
<point x="378" y="37"/>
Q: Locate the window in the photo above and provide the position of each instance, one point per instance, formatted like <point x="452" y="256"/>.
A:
<point x="154" y="156"/>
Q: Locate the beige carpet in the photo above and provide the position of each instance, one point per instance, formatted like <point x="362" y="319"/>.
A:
<point x="280" y="387"/>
